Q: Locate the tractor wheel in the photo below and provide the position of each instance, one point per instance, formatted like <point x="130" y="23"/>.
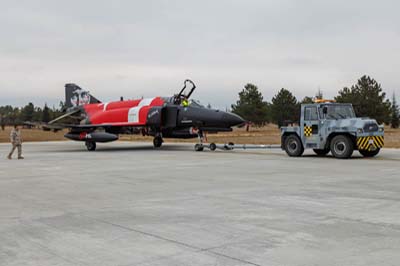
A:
<point x="157" y="142"/>
<point x="90" y="145"/>
<point x="367" y="153"/>
<point x="321" y="152"/>
<point x="293" y="146"/>
<point x="342" y="147"/>
<point x="198" y="147"/>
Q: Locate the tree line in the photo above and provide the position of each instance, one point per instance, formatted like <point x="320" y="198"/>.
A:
<point x="10" y="115"/>
<point x="366" y="96"/>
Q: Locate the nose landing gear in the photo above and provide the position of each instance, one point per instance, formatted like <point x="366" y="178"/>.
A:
<point x="200" y="146"/>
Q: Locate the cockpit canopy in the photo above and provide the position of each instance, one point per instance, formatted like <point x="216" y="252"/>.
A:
<point x="196" y="103"/>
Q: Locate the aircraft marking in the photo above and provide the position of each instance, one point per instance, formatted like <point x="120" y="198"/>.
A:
<point x="133" y="113"/>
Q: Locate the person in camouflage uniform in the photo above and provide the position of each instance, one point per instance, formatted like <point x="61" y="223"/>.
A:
<point x="16" y="141"/>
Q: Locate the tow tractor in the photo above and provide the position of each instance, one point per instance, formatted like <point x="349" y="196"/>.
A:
<point x="326" y="126"/>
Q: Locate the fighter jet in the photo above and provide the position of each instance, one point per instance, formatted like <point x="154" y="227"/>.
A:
<point x="92" y="121"/>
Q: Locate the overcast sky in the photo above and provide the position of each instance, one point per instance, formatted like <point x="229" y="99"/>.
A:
<point x="147" y="48"/>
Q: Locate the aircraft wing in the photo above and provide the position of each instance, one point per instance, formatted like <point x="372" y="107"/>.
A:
<point x="44" y="126"/>
<point x="55" y="124"/>
<point x="64" y="116"/>
<point x="78" y="127"/>
<point x="119" y="124"/>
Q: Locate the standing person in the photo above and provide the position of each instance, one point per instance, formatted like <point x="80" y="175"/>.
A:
<point x="16" y="141"/>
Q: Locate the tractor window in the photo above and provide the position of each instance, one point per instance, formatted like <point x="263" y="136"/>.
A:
<point x="338" y="111"/>
<point x="310" y="114"/>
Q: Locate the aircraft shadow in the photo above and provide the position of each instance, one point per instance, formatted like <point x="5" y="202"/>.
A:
<point x="101" y="149"/>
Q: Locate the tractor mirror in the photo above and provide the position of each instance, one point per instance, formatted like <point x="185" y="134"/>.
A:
<point x="325" y="110"/>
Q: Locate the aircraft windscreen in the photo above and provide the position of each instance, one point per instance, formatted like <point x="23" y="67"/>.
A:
<point x="196" y="103"/>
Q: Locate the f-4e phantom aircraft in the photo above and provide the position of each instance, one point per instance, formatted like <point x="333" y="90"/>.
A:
<point x="92" y="121"/>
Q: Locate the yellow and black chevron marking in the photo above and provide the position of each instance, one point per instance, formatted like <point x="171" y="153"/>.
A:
<point x="307" y="131"/>
<point x="370" y="143"/>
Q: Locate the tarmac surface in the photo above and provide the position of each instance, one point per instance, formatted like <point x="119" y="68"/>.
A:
<point x="127" y="204"/>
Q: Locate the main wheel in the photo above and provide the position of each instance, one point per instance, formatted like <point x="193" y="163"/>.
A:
<point x="198" y="147"/>
<point x="367" y="153"/>
<point x="342" y="147"/>
<point x="90" y="145"/>
<point x="157" y="142"/>
<point x="293" y="146"/>
<point x="321" y="152"/>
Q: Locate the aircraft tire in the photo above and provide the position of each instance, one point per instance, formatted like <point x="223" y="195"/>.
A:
<point x="368" y="154"/>
<point x="198" y="147"/>
<point x="157" y="142"/>
<point x="90" y="145"/>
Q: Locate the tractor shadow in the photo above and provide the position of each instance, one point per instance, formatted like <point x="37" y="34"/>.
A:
<point x="329" y="156"/>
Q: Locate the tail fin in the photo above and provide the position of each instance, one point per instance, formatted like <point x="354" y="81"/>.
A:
<point x="76" y="96"/>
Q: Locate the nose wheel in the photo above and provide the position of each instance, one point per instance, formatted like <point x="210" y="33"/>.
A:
<point x="200" y="146"/>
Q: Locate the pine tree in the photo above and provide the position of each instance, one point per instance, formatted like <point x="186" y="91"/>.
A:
<point x="37" y="114"/>
<point x="46" y="114"/>
<point x="307" y="100"/>
<point x="28" y="112"/>
<point x="251" y="106"/>
<point x="285" y="108"/>
<point x="368" y="99"/>
<point x="395" y="118"/>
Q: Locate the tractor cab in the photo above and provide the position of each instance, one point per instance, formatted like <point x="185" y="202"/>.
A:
<point x="326" y="126"/>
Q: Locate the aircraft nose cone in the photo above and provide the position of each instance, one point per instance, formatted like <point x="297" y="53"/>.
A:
<point x="233" y="119"/>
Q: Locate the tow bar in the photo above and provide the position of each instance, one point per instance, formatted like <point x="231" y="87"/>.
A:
<point x="231" y="146"/>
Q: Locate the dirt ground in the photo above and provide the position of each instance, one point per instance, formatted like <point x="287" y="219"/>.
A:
<point x="269" y="134"/>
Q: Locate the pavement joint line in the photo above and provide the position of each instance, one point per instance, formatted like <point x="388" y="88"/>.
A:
<point x="224" y="245"/>
<point x="233" y="258"/>
<point x="173" y="241"/>
<point x="158" y="258"/>
<point x="145" y="233"/>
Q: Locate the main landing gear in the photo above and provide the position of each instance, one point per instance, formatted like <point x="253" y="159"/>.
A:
<point x="157" y="141"/>
<point x="90" y="145"/>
